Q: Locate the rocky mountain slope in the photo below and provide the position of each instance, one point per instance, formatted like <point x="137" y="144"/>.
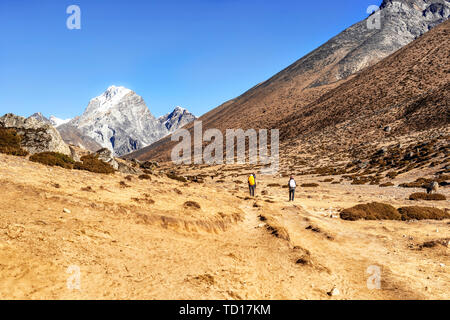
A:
<point x="406" y="93"/>
<point x="176" y="119"/>
<point x="297" y="87"/>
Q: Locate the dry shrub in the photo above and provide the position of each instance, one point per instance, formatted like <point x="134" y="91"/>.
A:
<point x="177" y="178"/>
<point x="423" y="213"/>
<point x="10" y="143"/>
<point x="313" y="228"/>
<point x="419" y="183"/>
<point x="129" y="178"/>
<point x="87" y="189"/>
<point x="273" y="185"/>
<point x="91" y="163"/>
<point x="305" y="260"/>
<point x="192" y="205"/>
<point x="309" y="185"/>
<point x="392" y="175"/>
<point x="56" y="185"/>
<point x="177" y="191"/>
<point x="426" y="196"/>
<point x="371" y="211"/>
<point x="148" y="171"/>
<point x="387" y="184"/>
<point x="381" y="211"/>
<point x="53" y="159"/>
<point x="123" y="184"/>
<point x="145" y="177"/>
<point x="434" y="243"/>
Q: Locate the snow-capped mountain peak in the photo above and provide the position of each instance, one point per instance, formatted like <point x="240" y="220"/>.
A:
<point x="56" y="122"/>
<point x="111" y="97"/>
<point x="113" y="94"/>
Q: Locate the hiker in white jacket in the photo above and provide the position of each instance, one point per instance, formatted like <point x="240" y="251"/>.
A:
<point x="292" y="186"/>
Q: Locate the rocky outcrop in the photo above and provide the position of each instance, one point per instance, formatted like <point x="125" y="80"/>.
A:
<point x="37" y="136"/>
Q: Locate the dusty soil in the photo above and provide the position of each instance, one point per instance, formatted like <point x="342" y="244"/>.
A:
<point x="140" y="240"/>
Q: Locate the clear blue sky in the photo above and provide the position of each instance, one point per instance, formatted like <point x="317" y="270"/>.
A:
<point x="193" y="53"/>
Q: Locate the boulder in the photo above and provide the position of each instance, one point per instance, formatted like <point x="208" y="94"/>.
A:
<point x="126" y="168"/>
<point x="37" y="136"/>
<point x="106" y="156"/>
<point x="74" y="154"/>
<point x="149" y="165"/>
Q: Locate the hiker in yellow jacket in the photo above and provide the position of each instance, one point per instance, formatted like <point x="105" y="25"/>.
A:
<point x="252" y="184"/>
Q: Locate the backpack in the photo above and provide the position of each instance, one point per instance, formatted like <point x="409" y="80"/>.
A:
<point x="292" y="184"/>
<point x="251" y="180"/>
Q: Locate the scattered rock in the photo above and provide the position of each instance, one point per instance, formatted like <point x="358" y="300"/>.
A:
<point x="66" y="211"/>
<point x="334" y="292"/>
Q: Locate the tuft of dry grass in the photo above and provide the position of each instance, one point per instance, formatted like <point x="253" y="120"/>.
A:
<point x="145" y="177"/>
<point x="274" y="185"/>
<point x="123" y="184"/>
<point x="10" y="143"/>
<point x="192" y="205"/>
<point x="87" y="189"/>
<point x="387" y="184"/>
<point x="177" y="178"/>
<point x="309" y="185"/>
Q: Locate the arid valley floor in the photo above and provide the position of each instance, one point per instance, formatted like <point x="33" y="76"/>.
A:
<point x="164" y="239"/>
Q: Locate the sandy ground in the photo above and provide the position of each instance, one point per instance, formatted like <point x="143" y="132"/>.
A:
<point x="139" y="241"/>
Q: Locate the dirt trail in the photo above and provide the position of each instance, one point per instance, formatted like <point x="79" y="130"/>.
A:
<point x="128" y="247"/>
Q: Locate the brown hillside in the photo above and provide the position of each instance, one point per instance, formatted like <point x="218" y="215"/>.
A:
<point x="408" y="91"/>
<point x="291" y="93"/>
